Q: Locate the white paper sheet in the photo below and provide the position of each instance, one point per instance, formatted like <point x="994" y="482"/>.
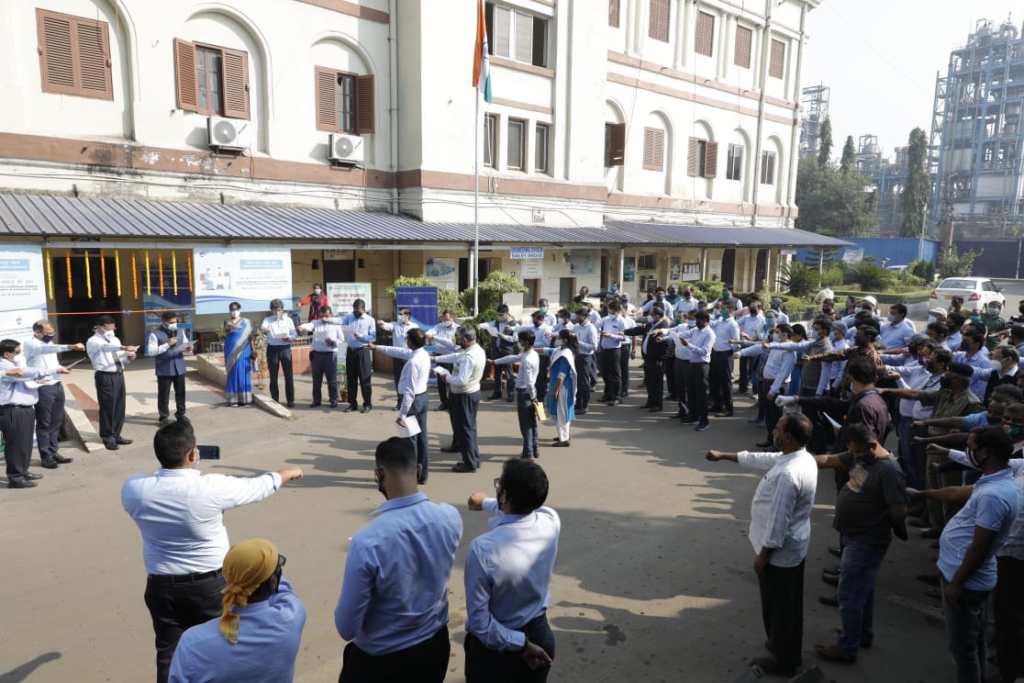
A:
<point x="411" y="428"/>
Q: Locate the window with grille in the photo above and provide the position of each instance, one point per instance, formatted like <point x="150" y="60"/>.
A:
<point x="344" y="101"/>
<point x="490" y="139"/>
<point x="542" y="144"/>
<point x="705" y="39"/>
<point x="777" y="64"/>
<point x="74" y="55"/>
<point x="734" y="162"/>
<point x="658" y="20"/>
<point x="744" y="42"/>
<point x="647" y="262"/>
<point x="768" y="168"/>
<point x="654" y="149"/>
<point x="516" y="144"/>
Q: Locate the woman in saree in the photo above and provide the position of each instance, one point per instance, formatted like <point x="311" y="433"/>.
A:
<point x="560" y="401"/>
<point x="238" y="357"/>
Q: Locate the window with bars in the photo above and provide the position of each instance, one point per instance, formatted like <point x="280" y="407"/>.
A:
<point x="702" y="159"/>
<point x="658" y="20"/>
<point x="211" y="80"/>
<point x="777" y="64"/>
<point x="516" y="34"/>
<point x="734" y="162"/>
<point x="344" y="101"/>
<point x="613" y="13"/>
<point x="744" y="42"/>
<point x="74" y="55"/>
<point x="490" y="139"/>
<point x="654" y="149"/>
<point x="704" y="43"/>
<point x="647" y="262"/>
<point x="767" y="168"/>
<point x="516" y="143"/>
<point x="542" y="144"/>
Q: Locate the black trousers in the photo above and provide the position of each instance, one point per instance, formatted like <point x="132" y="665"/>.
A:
<point x="682" y="373"/>
<point x="584" y="367"/>
<point x="746" y="372"/>
<point x="669" y="364"/>
<point x="281" y="357"/>
<point x="697" y="391"/>
<point x="612" y="373"/>
<point x="721" y="380"/>
<point x="1009" y="617"/>
<point x="176" y="604"/>
<point x="484" y="665"/>
<point x="425" y="662"/>
<point x="624" y="369"/>
<point x="420" y="409"/>
<point x="396" y="373"/>
<point x="655" y="377"/>
<point x="772" y="413"/>
<point x="16" y="424"/>
<point x="163" y="395"/>
<point x="444" y="394"/>
<point x="358" y="375"/>
<point x="782" y="609"/>
<point x="463" y="408"/>
<point x="49" y="419"/>
<point x="324" y="365"/>
<point x="527" y="415"/>
<point x="110" y="395"/>
<point x="504" y="380"/>
<point x="541" y="385"/>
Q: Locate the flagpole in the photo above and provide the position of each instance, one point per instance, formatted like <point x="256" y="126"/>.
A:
<point x="475" y="263"/>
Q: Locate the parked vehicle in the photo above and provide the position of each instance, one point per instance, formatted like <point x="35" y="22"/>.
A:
<point x="977" y="292"/>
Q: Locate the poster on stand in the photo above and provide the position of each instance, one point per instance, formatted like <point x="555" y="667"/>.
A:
<point x="342" y="294"/>
<point x="22" y="290"/>
<point x="252" y="276"/>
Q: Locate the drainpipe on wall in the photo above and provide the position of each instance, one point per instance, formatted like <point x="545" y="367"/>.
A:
<point x="393" y="102"/>
<point x="794" y="140"/>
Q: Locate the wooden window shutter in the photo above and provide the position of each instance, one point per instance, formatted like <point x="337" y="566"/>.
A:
<point x="326" y="85"/>
<point x="365" y="112"/>
<point x="654" y="149"/>
<point x="524" y="37"/>
<point x="95" y="77"/>
<point x="74" y="55"/>
<point x="777" y="65"/>
<point x="617" y="145"/>
<point x="185" y="75"/>
<point x="613" y="13"/>
<point x="711" y="163"/>
<point x="56" y="53"/>
<point x="236" y="84"/>
<point x="658" y="20"/>
<point x="693" y="158"/>
<point x="744" y="40"/>
<point x="705" y="40"/>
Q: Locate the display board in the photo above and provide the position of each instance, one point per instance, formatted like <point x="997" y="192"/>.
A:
<point x="443" y="272"/>
<point x="342" y="294"/>
<point x="22" y="290"/>
<point x="252" y="276"/>
<point x="421" y="302"/>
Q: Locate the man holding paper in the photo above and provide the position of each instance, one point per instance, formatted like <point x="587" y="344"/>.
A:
<point x="412" y="387"/>
<point x="167" y="344"/>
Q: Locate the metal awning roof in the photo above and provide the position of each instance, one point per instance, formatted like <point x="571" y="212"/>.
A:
<point x="56" y="216"/>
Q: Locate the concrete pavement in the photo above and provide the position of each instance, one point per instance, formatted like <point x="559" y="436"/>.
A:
<point x="654" y="579"/>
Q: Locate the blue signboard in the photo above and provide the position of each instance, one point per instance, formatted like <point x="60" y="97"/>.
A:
<point x="421" y="302"/>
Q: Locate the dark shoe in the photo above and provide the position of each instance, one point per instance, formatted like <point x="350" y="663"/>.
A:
<point x="462" y="468"/>
<point x="828" y="600"/>
<point x="560" y="444"/>
<point x="164" y="420"/>
<point x="334" y="404"/>
<point x="121" y="441"/>
<point x="930" y="579"/>
<point x="687" y="420"/>
<point x="351" y="408"/>
<point x="830" y="579"/>
<point x="770" y="667"/>
<point x="835" y="551"/>
<point x="367" y="408"/>
<point x="724" y="413"/>
<point x="703" y="427"/>
<point x="755" y="421"/>
<point x="643" y="407"/>
<point x="449" y="449"/>
<point x="32" y="476"/>
<point x="494" y="397"/>
<point x="48" y="463"/>
<point x="834" y="573"/>
<point x="314" y="404"/>
<point x="111" y="445"/>
<point x="20" y="484"/>
<point x="63" y="460"/>
<point x="655" y="409"/>
<point x="581" y="412"/>
<point x="421" y="480"/>
<point x="508" y="399"/>
<point x="833" y="653"/>
<point x="291" y="404"/>
<point x="931" y="534"/>
<point x="182" y="418"/>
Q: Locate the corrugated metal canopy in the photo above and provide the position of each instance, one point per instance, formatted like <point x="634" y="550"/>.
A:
<point x="53" y="216"/>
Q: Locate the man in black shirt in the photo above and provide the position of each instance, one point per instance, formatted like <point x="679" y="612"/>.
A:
<point x="870" y="508"/>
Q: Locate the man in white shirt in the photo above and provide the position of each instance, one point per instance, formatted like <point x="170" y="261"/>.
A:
<point x="361" y="332"/>
<point x="412" y="388"/>
<point x="398" y="330"/>
<point x="508" y="577"/>
<point x="279" y="329"/>
<point x="611" y="333"/>
<point x="751" y="329"/>
<point x="780" y="532"/>
<point x="588" y="339"/>
<point x="109" y="358"/>
<point x="41" y="354"/>
<point x="323" y="354"/>
<point x="542" y="340"/>
<point x="180" y="515"/>
<point x="727" y="331"/>
<point x="469" y="365"/>
<point x="442" y="336"/>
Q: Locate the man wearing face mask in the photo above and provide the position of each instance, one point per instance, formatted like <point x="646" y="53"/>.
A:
<point x="323" y="354"/>
<point x="587" y="338"/>
<point x="968" y="547"/>
<point x="17" y="411"/>
<point x="442" y="336"/>
<point x="975" y="354"/>
<point x="41" y="354"/>
<point x="727" y="331"/>
<point x="464" y="383"/>
<point x="686" y="303"/>
<point x="1003" y="362"/>
<point x="993" y="321"/>
<point x="660" y="300"/>
<point x="412" y="387"/>
<point x="543" y="339"/>
<point x="316" y="301"/>
<point x="280" y="330"/>
<point x="166" y="345"/>
<point x="393" y="607"/>
<point x="778" y="365"/>
<point x="672" y="295"/>
<point x="751" y="326"/>
<point x="653" y="351"/>
<point x="897" y="331"/>
<point x="360" y="333"/>
<point x="938" y="333"/>
<point x="109" y="358"/>
<point x="503" y="343"/>
<point x="398" y="330"/>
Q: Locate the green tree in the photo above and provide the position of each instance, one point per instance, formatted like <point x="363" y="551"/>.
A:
<point x="849" y="155"/>
<point x="825" y="142"/>
<point x="832" y="202"/>
<point x="914" y="197"/>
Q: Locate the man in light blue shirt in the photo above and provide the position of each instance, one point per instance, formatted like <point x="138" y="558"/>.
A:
<point x="442" y="336"/>
<point x="412" y="392"/>
<point x="264" y="641"/>
<point x="508" y="577"/>
<point x="588" y="339"/>
<point x="969" y="543"/>
<point x="360" y="331"/>
<point x="974" y="353"/>
<point x="393" y="607"/>
<point x="897" y="332"/>
<point x="751" y="329"/>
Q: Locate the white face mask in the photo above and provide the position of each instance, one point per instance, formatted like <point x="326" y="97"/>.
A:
<point x="894" y="318"/>
<point x="278" y="314"/>
<point x="236" y="314"/>
<point x="317" y="290"/>
<point x="108" y="334"/>
<point x="173" y="327"/>
<point x="996" y="364"/>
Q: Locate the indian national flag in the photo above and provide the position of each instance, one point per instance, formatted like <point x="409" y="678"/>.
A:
<point x="481" y="65"/>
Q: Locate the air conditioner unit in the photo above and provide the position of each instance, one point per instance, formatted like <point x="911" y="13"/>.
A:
<point x="346" y="149"/>
<point x="234" y="135"/>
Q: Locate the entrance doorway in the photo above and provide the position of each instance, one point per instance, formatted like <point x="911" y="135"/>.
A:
<point x="78" y="302"/>
<point x="729" y="267"/>
<point x="761" y="270"/>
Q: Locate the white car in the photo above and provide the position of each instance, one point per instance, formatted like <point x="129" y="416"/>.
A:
<point x="977" y="292"/>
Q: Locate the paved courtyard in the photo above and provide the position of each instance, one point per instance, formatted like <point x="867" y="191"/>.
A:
<point x="654" y="579"/>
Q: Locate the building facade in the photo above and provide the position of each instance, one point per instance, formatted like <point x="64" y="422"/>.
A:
<point x="682" y="112"/>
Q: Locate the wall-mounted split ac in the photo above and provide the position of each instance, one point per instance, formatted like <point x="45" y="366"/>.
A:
<point x="231" y="135"/>
<point x="346" y="149"/>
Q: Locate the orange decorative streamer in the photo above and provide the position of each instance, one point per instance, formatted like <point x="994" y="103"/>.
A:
<point x="190" y="272"/>
<point x="149" y="282"/>
<point x="135" y="277"/>
<point x="174" y="271"/>
<point x="160" y="271"/>
<point x="49" y="274"/>
<point x="117" y="270"/>
<point x="103" y="273"/>
<point x="67" y="262"/>
<point x="88" y="278"/>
